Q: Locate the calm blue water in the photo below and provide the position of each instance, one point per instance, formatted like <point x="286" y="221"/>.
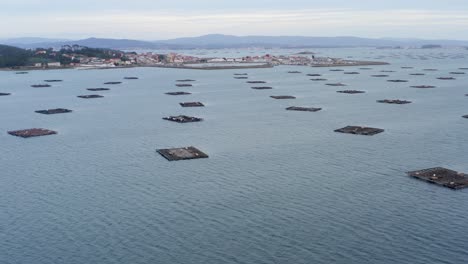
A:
<point x="279" y="186"/>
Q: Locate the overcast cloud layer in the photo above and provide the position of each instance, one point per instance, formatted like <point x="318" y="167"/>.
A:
<point x="152" y="20"/>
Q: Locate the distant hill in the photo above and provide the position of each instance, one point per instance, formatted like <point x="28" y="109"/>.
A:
<point x="97" y="43"/>
<point x="12" y="56"/>
<point x="229" y="41"/>
<point x="218" y="40"/>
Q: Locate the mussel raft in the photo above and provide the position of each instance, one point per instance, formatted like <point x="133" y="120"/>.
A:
<point x="359" y="130"/>
<point x="187" y="153"/>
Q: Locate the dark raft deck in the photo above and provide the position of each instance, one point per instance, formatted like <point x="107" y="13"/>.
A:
<point x="98" y="89"/>
<point x="183" y="119"/>
<point x="192" y="104"/>
<point x="358" y="130"/>
<point x="336" y="84"/>
<point x="40" y="85"/>
<point x="282" y="97"/>
<point x="90" y="96"/>
<point x="262" y="88"/>
<point x="393" y="101"/>
<point x="303" y="109"/>
<point x="32" y="132"/>
<point x="54" y="111"/>
<point x="351" y="92"/>
<point x="442" y="177"/>
<point x="187" y="153"/>
<point x="423" y="86"/>
<point x="178" y="93"/>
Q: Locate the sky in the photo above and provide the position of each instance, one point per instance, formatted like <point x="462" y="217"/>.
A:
<point x="157" y="20"/>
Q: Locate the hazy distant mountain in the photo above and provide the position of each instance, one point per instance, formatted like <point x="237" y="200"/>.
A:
<point x="95" y="43"/>
<point x="228" y="41"/>
<point x="26" y="41"/>
<point x="217" y="40"/>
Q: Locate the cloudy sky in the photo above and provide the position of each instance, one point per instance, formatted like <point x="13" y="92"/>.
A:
<point x="155" y="19"/>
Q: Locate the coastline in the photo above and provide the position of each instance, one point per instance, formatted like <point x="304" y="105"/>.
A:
<point x="187" y="67"/>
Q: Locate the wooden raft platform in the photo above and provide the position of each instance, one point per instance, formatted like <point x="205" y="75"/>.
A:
<point x="393" y="101"/>
<point x="32" y="132"/>
<point x="280" y="97"/>
<point x="192" y="104"/>
<point x="358" y="130"/>
<point x="54" y="111"/>
<point x="183" y="119"/>
<point x="90" y="96"/>
<point x="98" y="89"/>
<point x="186" y="153"/>
<point x="442" y="177"/>
<point x="303" y="109"/>
<point x="178" y="93"/>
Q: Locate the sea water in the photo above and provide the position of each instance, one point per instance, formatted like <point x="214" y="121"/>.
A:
<point x="279" y="186"/>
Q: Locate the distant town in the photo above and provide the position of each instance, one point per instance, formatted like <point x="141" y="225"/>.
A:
<point x="76" y="56"/>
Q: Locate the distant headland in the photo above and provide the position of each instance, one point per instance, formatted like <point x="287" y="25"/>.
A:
<point x="80" y="57"/>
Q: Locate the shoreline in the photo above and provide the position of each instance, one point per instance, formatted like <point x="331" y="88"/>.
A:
<point x="224" y="67"/>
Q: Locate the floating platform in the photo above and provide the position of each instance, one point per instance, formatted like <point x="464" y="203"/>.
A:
<point x="442" y="177"/>
<point x="183" y="119"/>
<point x="186" y="80"/>
<point x="394" y="101"/>
<point x="54" y="111"/>
<point x="262" y="88"/>
<point x="351" y="92"/>
<point x="365" y="69"/>
<point x="446" y="78"/>
<point x="184" y="85"/>
<point x="380" y="75"/>
<point x="314" y="75"/>
<point x="113" y="83"/>
<point x="90" y="96"/>
<point x="53" y="81"/>
<point x="256" y="82"/>
<point x="465" y="116"/>
<point x="187" y="153"/>
<point x="192" y="104"/>
<point x="98" y="89"/>
<point x="40" y="85"/>
<point x="457" y="73"/>
<point x="336" y="84"/>
<point x="387" y="71"/>
<point x="417" y="74"/>
<point x="319" y="79"/>
<point x="32" y="132"/>
<point x="294" y="72"/>
<point x="178" y="93"/>
<point x="21" y="72"/>
<point x="358" y="130"/>
<point x="336" y="70"/>
<point x="5" y="94"/>
<point x="352" y="73"/>
<point x="397" y="81"/>
<point x="423" y="86"/>
<point x="241" y="74"/>
<point x="131" y="78"/>
<point x="303" y="109"/>
<point x="430" y="70"/>
<point x="281" y="97"/>
<point x="406" y="67"/>
<point x="241" y="78"/>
